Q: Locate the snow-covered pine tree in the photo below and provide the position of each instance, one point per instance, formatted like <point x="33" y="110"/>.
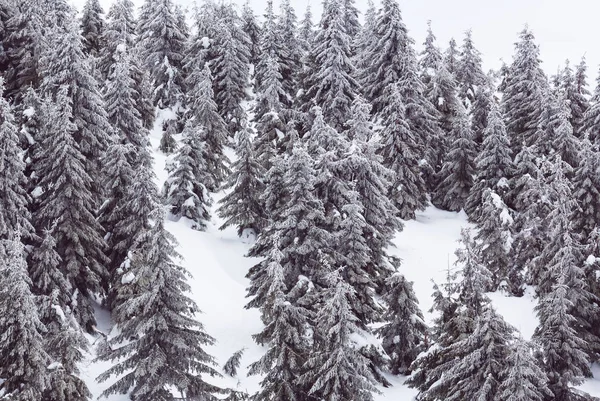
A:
<point x="64" y="65"/>
<point x="168" y="144"/>
<point x="119" y="30"/>
<point x="586" y="186"/>
<point x="493" y="165"/>
<point x="285" y="333"/>
<point x="161" y="44"/>
<point x="522" y="97"/>
<point x="230" y="65"/>
<point x="330" y="82"/>
<point x="443" y="94"/>
<point x="405" y="332"/>
<point x="469" y="73"/>
<point x="480" y="109"/>
<point x="24" y="361"/>
<point x="564" y="141"/>
<point x="14" y="215"/>
<point x="475" y="278"/>
<point x="562" y="351"/>
<point x="494" y="240"/>
<point x="591" y="119"/>
<point x="160" y="344"/>
<point x="522" y="378"/>
<point x="431" y="58"/>
<point x="185" y="190"/>
<point x="252" y="28"/>
<point x="68" y="205"/>
<point x="451" y="57"/>
<point x="574" y="86"/>
<point x="242" y="206"/>
<point x="365" y="36"/>
<point x="204" y="111"/>
<point x="336" y="370"/>
<point x="456" y="176"/>
<point x="306" y="32"/>
<point x="476" y="373"/>
<point x="290" y="58"/>
<point x="401" y="154"/>
<point x="386" y="55"/>
<point x="92" y="28"/>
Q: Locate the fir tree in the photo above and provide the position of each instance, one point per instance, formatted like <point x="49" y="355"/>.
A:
<point x="330" y="83"/>
<point x="591" y="118"/>
<point x="252" y="28"/>
<point x="92" y="28"/>
<point x="242" y="207"/>
<point x="290" y="58"/>
<point x="523" y="92"/>
<point x="69" y="205"/>
<point x="365" y="37"/>
<point x="204" y="111"/>
<point x="161" y="43"/>
<point x="469" y="74"/>
<point x="386" y="55"/>
<point x="431" y="58"/>
<point x="493" y="164"/>
<point x="451" y="58"/>
<point x="456" y="175"/>
<point x="586" y="185"/>
<point x="400" y="151"/>
<point x="574" y="86"/>
<point x="404" y="333"/>
<point x="24" y="359"/>
<point x="564" y="141"/>
<point x="522" y="378"/>
<point x="168" y="144"/>
<point x="160" y="345"/>
<point x="482" y="104"/>
<point x="337" y="370"/>
<point x="305" y="31"/>
<point x="185" y="189"/>
<point x="119" y="31"/>
<point x="14" y="216"/>
<point x="444" y="96"/>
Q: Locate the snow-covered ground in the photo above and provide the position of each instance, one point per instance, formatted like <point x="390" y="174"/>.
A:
<point x="216" y="259"/>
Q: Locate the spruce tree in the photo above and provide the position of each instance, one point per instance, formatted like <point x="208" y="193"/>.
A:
<point x="523" y="92"/>
<point x="469" y="73"/>
<point x="401" y="154"/>
<point x="252" y="28"/>
<point x="161" y="44"/>
<point x="242" y="206"/>
<point x="480" y="109"/>
<point x="119" y="30"/>
<point x="22" y="352"/>
<point x="451" y="58"/>
<point x="14" y="215"/>
<point x="586" y="185"/>
<point x="160" y="345"/>
<point x="290" y="58"/>
<point x="404" y="333"/>
<point x="493" y="165"/>
<point x="337" y="370"/>
<point x="185" y="189"/>
<point x="168" y="144"/>
<point x="522" y="378"/>
<point x="306" y="31"/>
<point x="92" y="28"/>
<point x="456" y="176"/>
<point x="68" y="204"/>
<point x="574" y="86"/>
<point x="431" y="58"/>
<point x="330" y="82"/>
<point x="443" y="95"/>
<point x="204" y="111"/>
<point x="564" y="141"/>
<point x="591" y="118"/>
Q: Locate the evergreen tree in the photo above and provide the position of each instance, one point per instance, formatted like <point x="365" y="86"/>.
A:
<point x="252" y="28"/>
<point x="523" y="380"/>
<point x="305" y="31"/>
<point x="168" y="144"/>
<point x="365" y="36"/>
<point x="451" y="58"/>
<point x="591" y="118"/>
<point x="161" y="43"/>
<point x="330" y="83"/>
<point x="522" y="96"/>
<point x="431" y="58"/>
<point x="242" y="206"/>
<point x="476" y="373"/>
<point x="563" y="356"/>
<point x="386" y="55"/>
<point x="400" y="151"/>
<point x="493" y="164"/>
<point x="564" y="141"/>
<point x="574" y="86"/>
<point x="204" y="111"/>
<point x="404" y="333"/>
<point x="444" y="96"/>
<point x="495" y="240"/>
<point x="290" y="58"/>
<point x="456" y="175"/>
<point x="160" y="345"/>
<point x="586" y="185"/>
<point x="480" y="109"/>
<point x="92" y="28"/>
<point x="229" y="64"/>
<point x="185" y="189"/>
<point x="337" y="370"/>
<point x="68" y="204"/>
<point x="24" y="359"/>
<point x="14" y="216"/>
<point x="469" y="74"/>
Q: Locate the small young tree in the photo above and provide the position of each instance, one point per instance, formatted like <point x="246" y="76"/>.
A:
<point x="242" y="206"/>
<point x="160" y="345"/>
<point x="185" y="190"/>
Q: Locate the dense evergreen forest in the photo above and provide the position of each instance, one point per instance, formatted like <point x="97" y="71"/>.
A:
<point x="341" y="131"/>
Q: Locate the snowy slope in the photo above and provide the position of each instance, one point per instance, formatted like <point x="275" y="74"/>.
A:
<point x="217" y="263"/>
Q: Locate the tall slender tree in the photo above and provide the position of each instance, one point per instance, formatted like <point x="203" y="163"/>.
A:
<point x="92" y="28"/>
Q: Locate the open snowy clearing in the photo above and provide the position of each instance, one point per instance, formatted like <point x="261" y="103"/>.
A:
<point x="216" y="260"/>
